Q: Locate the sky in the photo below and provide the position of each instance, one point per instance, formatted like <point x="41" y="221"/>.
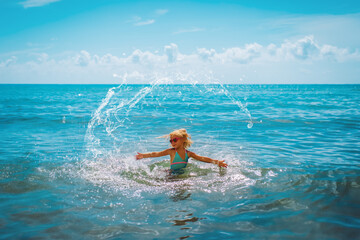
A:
<point x="240" y="42"/>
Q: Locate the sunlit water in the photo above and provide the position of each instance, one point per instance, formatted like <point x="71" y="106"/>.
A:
<point x="68" y="168"/>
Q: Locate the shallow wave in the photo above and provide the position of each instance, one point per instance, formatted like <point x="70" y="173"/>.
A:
<point x="250" y="195"/>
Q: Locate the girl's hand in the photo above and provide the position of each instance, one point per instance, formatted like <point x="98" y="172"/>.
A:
<point x="222" y="164"/>
<point x="139" y="156"/>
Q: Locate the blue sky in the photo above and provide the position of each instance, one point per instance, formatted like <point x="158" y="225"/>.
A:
<point x="85" y="41"/>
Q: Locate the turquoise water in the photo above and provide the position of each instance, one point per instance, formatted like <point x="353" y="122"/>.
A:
<point x="68" y="169"/>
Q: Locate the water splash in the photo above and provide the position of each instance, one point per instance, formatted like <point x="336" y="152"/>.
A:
<point x="238" y="103"/>
<point x="131" y="116"/>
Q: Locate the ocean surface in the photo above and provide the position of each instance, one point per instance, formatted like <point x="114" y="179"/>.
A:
<point x="68" y="169"/>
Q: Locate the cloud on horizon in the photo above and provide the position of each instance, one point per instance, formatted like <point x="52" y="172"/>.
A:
<point x="171" y="52"/>
<point x="302" y="53"/>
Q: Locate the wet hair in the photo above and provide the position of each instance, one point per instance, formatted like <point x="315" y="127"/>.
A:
<point x="180" y="133"/>
<point x="183" y="134"/>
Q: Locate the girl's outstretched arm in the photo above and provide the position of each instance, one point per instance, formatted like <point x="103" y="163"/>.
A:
<point x="153" y="154"/>
<point x="220" y="163"/>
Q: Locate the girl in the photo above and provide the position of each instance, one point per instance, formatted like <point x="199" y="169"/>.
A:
<point x="180" y="141"/>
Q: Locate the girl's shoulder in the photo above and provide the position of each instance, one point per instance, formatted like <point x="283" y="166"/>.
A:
<point x="171" y="150"/>
<point x="190" y="153"/>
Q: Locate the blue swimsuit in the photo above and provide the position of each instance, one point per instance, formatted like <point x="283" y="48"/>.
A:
<point x="178" y="162"/>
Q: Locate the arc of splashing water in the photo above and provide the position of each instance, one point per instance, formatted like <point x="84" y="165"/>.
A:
<point x="130" y="104"/>
<point x="96" y="119"/>
<point x="140" y="95"/>
<point x="238" y="103"/>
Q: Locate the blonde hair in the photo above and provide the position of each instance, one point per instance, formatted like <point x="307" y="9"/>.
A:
<point x="183" y="134"/>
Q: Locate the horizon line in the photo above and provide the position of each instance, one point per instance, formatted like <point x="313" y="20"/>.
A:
<point x="180" y="84"/>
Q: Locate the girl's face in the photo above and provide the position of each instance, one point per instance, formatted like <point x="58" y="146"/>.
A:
<point x="176" y="141"/>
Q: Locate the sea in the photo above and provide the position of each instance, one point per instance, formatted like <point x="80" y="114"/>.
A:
<point x="68" y="168"/>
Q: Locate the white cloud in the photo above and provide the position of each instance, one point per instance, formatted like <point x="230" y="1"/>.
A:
<point x="144" y="58"/>
<point x="8" y="62"/>
<point x="42" y="57"/>
<point x="83" y="59"/>
<point x="37" y="3"/>
<point x="136" y="56"/>
<point x="308" y="49"/>
<point x="137" y="21"/>
<point x="205" y="54"/>
<point x="241" y="55"/>
<point x="108" y="59"/>
<point x="304" y="48"/>
<point x="172" y="52"/>
<point x="143" y="23"/>
<point x="161" y="11"/>
<point x="291" y="59"/>
<point x="337" y="54"/>
<point x="271" y="49"/>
